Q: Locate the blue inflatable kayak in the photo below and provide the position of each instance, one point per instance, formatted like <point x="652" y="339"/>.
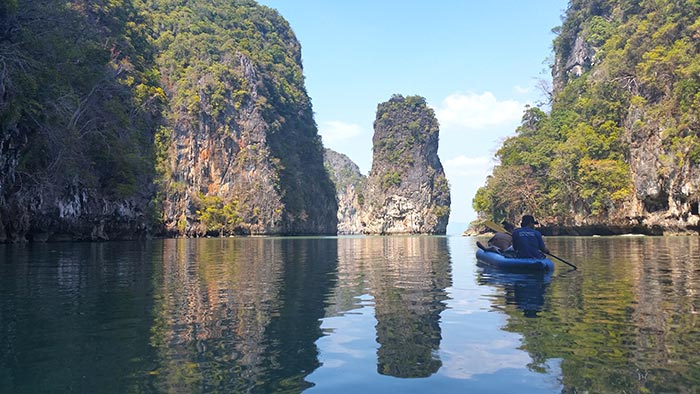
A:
<point x="514" y="263"/>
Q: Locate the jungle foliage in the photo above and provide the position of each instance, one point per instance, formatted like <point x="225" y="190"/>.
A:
<point x="643" y="78"/>
<point x="197" y="44"/>
<point x="94" y="92"/>
<point x="79" y="94"/>
<point x="210" y="53"/>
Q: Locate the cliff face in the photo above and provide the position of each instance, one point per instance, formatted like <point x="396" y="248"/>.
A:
<point x="244" y="155"/>
<point x="407" y="191"/>
<point x="74" y="135"/>
<point x="620" y="149"/>
<point x="349" y="184"/>
<point x="658" y="98"/>
<point x="176" y="117"/>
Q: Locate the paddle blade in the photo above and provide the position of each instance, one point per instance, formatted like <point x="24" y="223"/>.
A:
<point x="495" y="226"/>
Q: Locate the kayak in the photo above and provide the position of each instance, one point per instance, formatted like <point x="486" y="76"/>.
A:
<point x="514" y="263"/>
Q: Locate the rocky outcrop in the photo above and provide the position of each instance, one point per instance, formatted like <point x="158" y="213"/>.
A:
<point x="574" y="63"/>
<point x="200" y="129"/>
<point x="74" y="210"/>
<point x="349" y="184"/>
<point x="407" y="192"/>
<point x="659" y="124"/>
<point x="248" y="160"/>
<point x="74" y="139"/>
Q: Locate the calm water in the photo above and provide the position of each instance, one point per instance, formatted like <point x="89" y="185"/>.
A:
<point x="347" y="315"/>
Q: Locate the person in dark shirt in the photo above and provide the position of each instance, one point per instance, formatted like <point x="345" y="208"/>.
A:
<point x="527" y="241"/>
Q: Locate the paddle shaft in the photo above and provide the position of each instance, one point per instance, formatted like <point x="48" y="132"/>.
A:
<point x="563" y="261"/>
<point x="497" y="227"/>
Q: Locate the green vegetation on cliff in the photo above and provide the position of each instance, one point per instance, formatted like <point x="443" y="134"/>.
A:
<point x="626" y="74"/>
<point x="197" y="42"/>
<point x="102" y="102"/>
<point x="232" y="71"/>
<point x="79" y="96"/>
<point x="407" y="191"/>
<point x="405" y="122"/>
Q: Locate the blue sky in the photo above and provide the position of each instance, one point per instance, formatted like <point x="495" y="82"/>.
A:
<point x="477" y="63"/>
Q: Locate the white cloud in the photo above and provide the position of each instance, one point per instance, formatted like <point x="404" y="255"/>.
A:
<point x="478" y="111"/>
<point x="483" y="358"/>
<point x="468" y="166"/>
<point x="336" y="132"/>
<point x="521" y="90"/>
<point x="472" y="126"/>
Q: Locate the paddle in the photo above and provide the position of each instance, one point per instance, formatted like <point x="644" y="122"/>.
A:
<point x="497" y="227"/>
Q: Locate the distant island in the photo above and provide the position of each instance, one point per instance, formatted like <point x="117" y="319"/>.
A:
<point x="406" y="191"/>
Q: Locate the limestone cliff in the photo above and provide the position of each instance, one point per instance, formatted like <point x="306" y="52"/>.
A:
<point x="349" y="184"/>
<point x="244" y="155"/>
<point x="173" y="117"/>
<point x="74" y="135"/>
<point x="406" y="191"/>
<point x="619" y="151"/>
<point x="659" y="118"/>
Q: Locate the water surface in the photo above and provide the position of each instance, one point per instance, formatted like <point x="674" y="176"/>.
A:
<point x="347" y="315"/>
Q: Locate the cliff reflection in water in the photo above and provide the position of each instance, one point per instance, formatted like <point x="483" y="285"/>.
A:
<point x="626" y="321"/>
<point x="407" y="277"/>
<point x="241" y="313"/>
<point x="71" y="317"/>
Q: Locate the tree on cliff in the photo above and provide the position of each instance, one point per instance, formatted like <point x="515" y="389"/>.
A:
<point x="78" y="104"/>
<point x="621" y="143"/>
<point x="98" y="98"/>
<point x="240" y="143"/>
